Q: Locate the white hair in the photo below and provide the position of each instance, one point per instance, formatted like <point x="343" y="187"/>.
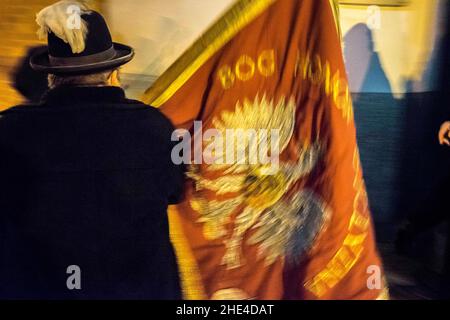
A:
<point x="92" y="80"/>
<point x="57" y="19"/>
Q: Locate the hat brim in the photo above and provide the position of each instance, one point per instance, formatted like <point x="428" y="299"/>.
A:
<point x="40" y="62"/>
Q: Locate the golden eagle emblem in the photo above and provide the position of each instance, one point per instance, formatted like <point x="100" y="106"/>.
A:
<point x="283" y="222"/>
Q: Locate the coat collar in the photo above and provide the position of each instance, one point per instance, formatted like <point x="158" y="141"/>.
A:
<point x="74" y="95"/>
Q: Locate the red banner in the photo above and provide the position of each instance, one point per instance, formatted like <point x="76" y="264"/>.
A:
<point x="298" y="230"/>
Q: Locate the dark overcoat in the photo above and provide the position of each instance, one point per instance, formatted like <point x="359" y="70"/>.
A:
<point x="85" y="180"/>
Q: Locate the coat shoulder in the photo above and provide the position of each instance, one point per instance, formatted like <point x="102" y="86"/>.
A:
<point x="7" y="114"/>
<point x="154" y="113"/>
<point x="17" y="108"/>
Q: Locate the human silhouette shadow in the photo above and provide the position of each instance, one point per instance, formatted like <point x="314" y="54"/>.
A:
<point x="365" y="72"/>
<point x="29" y="83"/>
<point x="378" y="117"/>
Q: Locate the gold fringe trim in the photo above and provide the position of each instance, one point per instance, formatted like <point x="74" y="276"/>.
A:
<point x="335" y="6"/>
<point x="352" y="247"/>
<point x="191" y="283"/>
<point x="384" y="295"/>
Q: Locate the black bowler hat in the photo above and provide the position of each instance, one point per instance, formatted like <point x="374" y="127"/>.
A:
<point x="100" y="52"/>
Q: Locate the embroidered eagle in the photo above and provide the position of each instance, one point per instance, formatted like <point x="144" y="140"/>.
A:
<point x="250" y="197"/>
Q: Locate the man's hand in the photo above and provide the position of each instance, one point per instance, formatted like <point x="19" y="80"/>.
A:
<point x="443" y="133"/>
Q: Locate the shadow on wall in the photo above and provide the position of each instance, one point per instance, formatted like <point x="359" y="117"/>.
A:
<point x="364" y="68"/>
<point x="29" y="83"/>
<point x="378" y="118"/>
<point x="402" y="161"/>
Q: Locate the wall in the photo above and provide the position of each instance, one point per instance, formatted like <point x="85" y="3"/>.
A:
<point x="393" y="71"/>
<point x="403" y="40"/>
<point x="160" y="30"/>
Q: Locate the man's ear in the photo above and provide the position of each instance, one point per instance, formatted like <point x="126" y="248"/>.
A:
<point x="114" y="79"/>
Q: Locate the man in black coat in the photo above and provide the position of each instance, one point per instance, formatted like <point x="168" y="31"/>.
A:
<point x="85" y="179"/>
